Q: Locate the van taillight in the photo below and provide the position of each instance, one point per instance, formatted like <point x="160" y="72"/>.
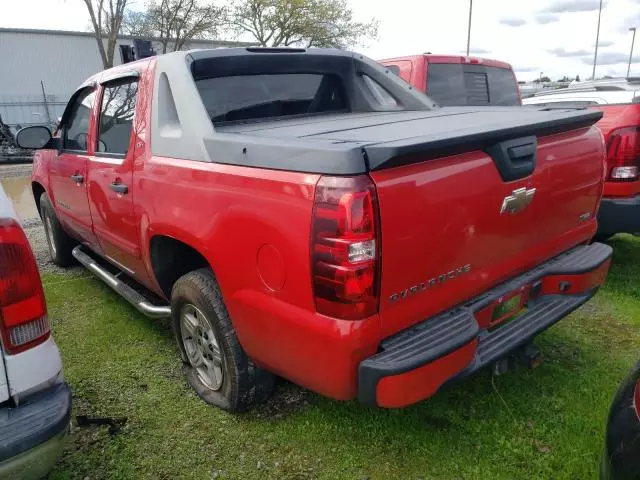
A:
<point x="345" y="247"/>
<point x="623" y="154"/>
<point x="23" y="311"/>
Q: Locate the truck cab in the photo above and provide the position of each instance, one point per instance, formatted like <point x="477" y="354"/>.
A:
<point x="457" y="80"/>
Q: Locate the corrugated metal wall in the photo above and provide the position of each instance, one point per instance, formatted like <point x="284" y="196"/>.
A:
<point x="61" y="60"/>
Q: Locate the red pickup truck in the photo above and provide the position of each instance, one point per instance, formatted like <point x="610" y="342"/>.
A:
<point x="619" y="101"/>
<point x="310" y="215"/>
<point x="453" y="80"/>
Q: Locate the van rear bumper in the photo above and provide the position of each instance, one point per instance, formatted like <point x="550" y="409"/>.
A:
<point x="413" y="364"/>
<point x="619" y="215"/>
<point x="32" y="434"/>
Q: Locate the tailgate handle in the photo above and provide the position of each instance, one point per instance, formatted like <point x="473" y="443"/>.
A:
<point x="514" y="159"/>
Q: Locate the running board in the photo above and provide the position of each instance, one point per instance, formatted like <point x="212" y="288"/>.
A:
<point x="142" y="304"/>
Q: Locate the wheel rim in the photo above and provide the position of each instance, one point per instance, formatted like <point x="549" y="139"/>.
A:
<point x="50" y="239"/>
<point x="201" y="346"/>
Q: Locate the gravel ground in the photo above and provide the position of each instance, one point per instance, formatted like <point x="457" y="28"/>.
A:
<point x="34" y="230"/>
<point x="9" y="171"/>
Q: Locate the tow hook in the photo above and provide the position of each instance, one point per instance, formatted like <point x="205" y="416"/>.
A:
<point x="528" y="355"/>
<point x="531" y="356"/>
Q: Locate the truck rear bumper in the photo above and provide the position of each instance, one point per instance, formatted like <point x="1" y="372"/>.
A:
<point x="619" y="215"/>
<point x="32" y="434"/>
<point x="413" y="364"/>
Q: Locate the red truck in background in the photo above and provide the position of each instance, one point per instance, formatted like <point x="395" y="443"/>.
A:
<point x="619" y="101"/>
<point x="308" y="214"/>
<point x="453" y="80"/>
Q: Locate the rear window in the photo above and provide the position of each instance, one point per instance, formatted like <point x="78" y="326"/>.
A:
<point x="251" y="97"/>
<point x="452" y="84"/>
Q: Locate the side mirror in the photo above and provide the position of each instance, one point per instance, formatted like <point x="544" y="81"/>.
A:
<point x="33" y="138"/>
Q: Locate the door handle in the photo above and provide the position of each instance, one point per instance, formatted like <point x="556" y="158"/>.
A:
<point x="119" y="188"/>
<point x="77" y="178"/>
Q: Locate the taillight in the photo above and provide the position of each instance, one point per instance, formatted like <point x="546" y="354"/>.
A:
<point x="623" y="154"/>
<point x="345" y="247"/>
<point x="23" y="311"/>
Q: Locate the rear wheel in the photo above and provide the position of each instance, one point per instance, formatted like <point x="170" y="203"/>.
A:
<point x="216" y="366"/>
<point x="60" y="244"/>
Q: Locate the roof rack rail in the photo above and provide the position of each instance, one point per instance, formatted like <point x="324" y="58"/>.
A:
<point x="586" y="88"/>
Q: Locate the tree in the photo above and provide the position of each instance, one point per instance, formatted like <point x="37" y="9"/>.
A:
<point x="308" y="23"/>
<point x="176" y="22"/>
<point x="106" y="20"/>
<point x="577" y="78"/>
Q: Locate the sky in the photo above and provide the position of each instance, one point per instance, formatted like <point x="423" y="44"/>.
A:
<point x="553" y="37"/>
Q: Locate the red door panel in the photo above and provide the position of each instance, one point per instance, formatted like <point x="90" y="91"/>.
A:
<point x="68" y="168"/>
<point x="111" y="176"/>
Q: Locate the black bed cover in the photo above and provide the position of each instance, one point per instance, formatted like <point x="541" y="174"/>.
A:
<point x="353" y="143"/>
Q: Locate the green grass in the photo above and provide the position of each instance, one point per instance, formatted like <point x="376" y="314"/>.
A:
<point x="545" y="423"/>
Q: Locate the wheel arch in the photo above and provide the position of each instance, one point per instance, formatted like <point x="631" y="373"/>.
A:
<point x="171" y="258"/>
<point x="38" y="189"/>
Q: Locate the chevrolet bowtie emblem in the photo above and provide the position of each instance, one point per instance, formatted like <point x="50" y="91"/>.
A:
<point x="517" y="201"/>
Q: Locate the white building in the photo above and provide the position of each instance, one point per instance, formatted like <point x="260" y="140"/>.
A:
<point x="39" y="65"/>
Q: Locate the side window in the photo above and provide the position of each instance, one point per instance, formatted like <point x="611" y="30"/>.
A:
<point x="116" y="116"/>
<point x="380" y="93"/>
<point x="76" y="128"/>
<point x="395" y="69"/>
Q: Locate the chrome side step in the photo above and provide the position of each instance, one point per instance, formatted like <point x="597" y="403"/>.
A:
<point x="135" y="298"/>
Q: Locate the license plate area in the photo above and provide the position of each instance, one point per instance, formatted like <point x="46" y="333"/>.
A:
<point x="508" y="307"/>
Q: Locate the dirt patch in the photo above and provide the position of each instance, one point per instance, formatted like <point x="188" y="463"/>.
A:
<point x="286" y="400"/>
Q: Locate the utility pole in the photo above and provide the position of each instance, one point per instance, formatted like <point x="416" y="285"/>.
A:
<point x="633" y="40"/>
<point x="469" y="28"/>
<point x="44" y="102"/>
<point x="595" y="56"/>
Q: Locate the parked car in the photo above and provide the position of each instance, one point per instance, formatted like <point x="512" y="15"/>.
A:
<point x="619" y="101"/>
<point x="621" y="459"/>
<point x="453" y="80"/>
<point x="308" y="214"/>
<point x="35" y="402"/>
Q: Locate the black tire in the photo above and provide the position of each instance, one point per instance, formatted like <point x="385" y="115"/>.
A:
<point x="60" y="244"/>
<point x="243" y="383"/>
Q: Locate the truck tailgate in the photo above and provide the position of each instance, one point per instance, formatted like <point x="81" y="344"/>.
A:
<point x="441" y="191"/>
<point x="445" y="237"/>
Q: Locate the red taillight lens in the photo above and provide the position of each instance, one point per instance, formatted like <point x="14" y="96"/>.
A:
<point x="345" y="247"/>
<point x="23" y="311"/>
<point x="623" y="154"/>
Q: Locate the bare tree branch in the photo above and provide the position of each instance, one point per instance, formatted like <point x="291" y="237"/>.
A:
<point x="319" y="23"/>
<point x="176" y="22"/>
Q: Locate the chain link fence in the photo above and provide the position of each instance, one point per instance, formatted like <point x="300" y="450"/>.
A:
<point x="19" y="111"/>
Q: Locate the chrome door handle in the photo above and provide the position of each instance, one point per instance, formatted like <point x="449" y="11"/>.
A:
<point x="119" y="188"/>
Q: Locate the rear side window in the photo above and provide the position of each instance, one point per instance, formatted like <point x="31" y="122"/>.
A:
<point x="394" y="69"/>
<point x="460" y="85"/>
<point x="116" y="117"/>
<point x="251" y="97"/>
<point x="76" y="127"/>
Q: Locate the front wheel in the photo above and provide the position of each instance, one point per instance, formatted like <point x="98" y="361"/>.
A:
<point x="216" y="366"/>
<point x="60" y="244"/>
